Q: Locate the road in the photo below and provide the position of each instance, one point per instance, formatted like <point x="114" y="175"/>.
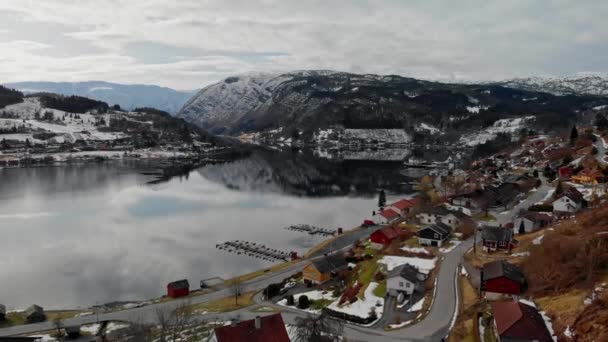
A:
<point x="600" y="145"/>
<point x="541" y="192"/>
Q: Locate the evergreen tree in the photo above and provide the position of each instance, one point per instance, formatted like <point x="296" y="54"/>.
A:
<point x="600" y="121"/>
<point x="382" y="199"/>
<point x="573" y="135"/>
<point x="559" y="189"/>
<point x="535" y="174"/>
<point x="522" y="227"/>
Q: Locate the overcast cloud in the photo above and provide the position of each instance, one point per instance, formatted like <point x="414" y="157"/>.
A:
<point x="187" y="44"/>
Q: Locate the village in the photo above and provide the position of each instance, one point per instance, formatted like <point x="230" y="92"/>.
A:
<point x="476" y="228"/>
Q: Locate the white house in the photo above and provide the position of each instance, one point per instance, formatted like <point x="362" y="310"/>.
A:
<point x="432" y="215"/>
<point x="454" y="219"/>
<point x="386" y="216"/>
<point x="531" y="221"/>
<point x="404" y="279"/>
<point x="570" y="201"/>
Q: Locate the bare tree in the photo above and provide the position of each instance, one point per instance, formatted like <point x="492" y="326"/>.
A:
<point x="173" y="321"/>
<point x="236" y="287"/>
<point x="138" y="331"/>
<point x="321" y="328"/>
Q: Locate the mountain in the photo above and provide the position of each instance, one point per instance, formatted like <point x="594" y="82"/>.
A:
<point x="127" y="96"/>
<point x="302" y="104"/>
<point x="578" y="84"/>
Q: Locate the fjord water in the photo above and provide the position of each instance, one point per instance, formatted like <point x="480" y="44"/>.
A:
<point x="77" y="235"/>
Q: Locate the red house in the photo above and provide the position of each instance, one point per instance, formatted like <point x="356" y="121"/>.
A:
<point x="178" y="288"/>
<point x="383" y="237"/>
<point x="261" y="329"/>
<point x="404" y="206"/>
<point x="502" y="277"/>
<point x="517" y="321"/>
<point x="565" y="172"/>
<point x="387" y="216"/>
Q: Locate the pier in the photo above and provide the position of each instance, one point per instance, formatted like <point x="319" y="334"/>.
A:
<point x="255" y="250"/>
<point x="311" y="230"/>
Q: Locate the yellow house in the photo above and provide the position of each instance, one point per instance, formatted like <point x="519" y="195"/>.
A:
<point x="587" y="176"/>
<point x="322" y="270"/>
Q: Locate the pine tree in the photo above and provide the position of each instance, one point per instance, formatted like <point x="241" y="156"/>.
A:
<point x="559" y="189"/>
<point x="522" y="227"/>
<point x="573" y="135"/>
<point x="382" y="199"/>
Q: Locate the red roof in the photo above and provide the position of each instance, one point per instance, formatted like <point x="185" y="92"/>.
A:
<point x="272" y="329"/>
<point x="389" y="232"/>
<point x="519" y="321"/>
<point x="389" y="214"/>
<point x="403" y="204"/>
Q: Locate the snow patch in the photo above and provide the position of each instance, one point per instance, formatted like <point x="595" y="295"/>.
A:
<point x="424" y="265"/>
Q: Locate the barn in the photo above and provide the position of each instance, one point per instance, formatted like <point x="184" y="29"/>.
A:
<point x="383" y="237"/>
<point x="178" y="288"/>
<point x="503" y="278"/>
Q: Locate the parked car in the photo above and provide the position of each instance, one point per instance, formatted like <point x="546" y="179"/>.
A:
<point x="289" y="285"/>
<point x="367" y="223"/>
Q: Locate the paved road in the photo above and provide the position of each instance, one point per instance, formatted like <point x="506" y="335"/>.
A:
<point x="600" y="144"/>
<point x="541" y="192"/>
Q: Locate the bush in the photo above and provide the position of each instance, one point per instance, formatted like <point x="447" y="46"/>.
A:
<point x="379" y="276"/>
<point x="272" y="290"/>
<point x="290" y="300"/>
<point x="303" y="302"/>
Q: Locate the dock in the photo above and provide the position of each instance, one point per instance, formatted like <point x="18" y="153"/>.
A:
<point x="255" y="250"/>
<point x="311" y="230"/>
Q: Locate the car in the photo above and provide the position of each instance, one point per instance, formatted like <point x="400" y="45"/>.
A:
<point x="289" y="285"/>
<point x="367" y="223"/>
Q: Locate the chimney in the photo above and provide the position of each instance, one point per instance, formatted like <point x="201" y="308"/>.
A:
<point x="258" y="322"/>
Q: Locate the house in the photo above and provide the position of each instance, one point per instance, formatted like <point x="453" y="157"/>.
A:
<point x="403" y="206"/>
<point x="383" y="237"/>
<point x="387" y="216"/>
<point x="269" y="328"/>
<point x="455" y="218"/>
<point x="570" y="201"/>
<point x="515" y="321"/>
<point x="430" y="215"/>
<point x="178" y="288"/>
<point x="502" y="277"/>
<point x="476" y="200"/>
<point x="404" y="279"/>
<point x="497" y="238"/>
<point x="588" y="176"/>
<point x="321" y="270"/>
<point x="2" y="312"/>
<point x="34" y="314"/>
<point x="565" y="172"/>
<point x="529" y="221"/>
<point x="434" y="234"/>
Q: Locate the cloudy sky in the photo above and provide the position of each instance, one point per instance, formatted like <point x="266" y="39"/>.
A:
<point x="187" y="44"/>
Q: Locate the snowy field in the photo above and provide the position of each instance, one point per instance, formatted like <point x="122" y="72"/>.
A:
<point x="362" y="307"/>
<point x="500" y="126"/>
<point x="424" y="265"/>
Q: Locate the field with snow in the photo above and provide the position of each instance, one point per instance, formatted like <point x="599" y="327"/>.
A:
<point x="424" y="265"/>
<point x="362" y="307"/>
<point x="509" y="126"/>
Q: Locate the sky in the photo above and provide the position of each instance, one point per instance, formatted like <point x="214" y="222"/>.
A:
<point x="188" y="44"/>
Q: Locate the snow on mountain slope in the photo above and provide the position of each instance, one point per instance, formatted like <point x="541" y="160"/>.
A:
<point x="578" y="84"/>
<point x="68" y="128"/>
<point x="128" y="96"/>
<point x="509" y="126"/>
<point x="218" y="105"/>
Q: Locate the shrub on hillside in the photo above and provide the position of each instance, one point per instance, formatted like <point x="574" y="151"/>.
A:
<point x="571" y="256"/>
<point x="303" y="302"/>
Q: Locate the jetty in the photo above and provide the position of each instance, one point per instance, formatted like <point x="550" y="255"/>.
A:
<point x="311" y="230"/>
<point x="255" y="250"/>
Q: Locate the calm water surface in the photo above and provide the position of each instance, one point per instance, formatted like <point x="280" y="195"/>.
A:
<point x="76" y="235"/>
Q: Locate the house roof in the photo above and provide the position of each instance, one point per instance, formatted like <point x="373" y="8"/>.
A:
<point x="573" y="194"/>
<point x="405" y="271"/>
<point x="501" y="268"/>
<point x="403" y="204"/>
<point x="272" y="329"/>
<point x="439" y="227"/>
<point x="329" y="263"/>
<point x="459" y="214"/>
<point x="389" y="214"/>
<point x="34" y="309"/>
<point x="497" y="234"/>
<point x="536" y="216"/>
<point x="179" y="284"/>
<point x="389" y="232"/>
<point x="436" y="210"/>
<point x="519" y="321"/>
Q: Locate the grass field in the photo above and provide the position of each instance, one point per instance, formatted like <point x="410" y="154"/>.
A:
<point x="223" y="305"/>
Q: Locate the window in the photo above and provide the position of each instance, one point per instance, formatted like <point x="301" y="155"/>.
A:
<point x="436" y="236"/>
<point x="408" y="285"/>
<point x="400" y="284"/>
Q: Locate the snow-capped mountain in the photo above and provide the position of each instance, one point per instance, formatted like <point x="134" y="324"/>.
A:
<point x="128" y="96"/>
<point x="301" y="104"/>
<point x="217" y="106"/>
<point x="578" y="84"/>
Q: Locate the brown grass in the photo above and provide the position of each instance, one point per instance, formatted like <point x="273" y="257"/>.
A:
<point x="223" y="305"/>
